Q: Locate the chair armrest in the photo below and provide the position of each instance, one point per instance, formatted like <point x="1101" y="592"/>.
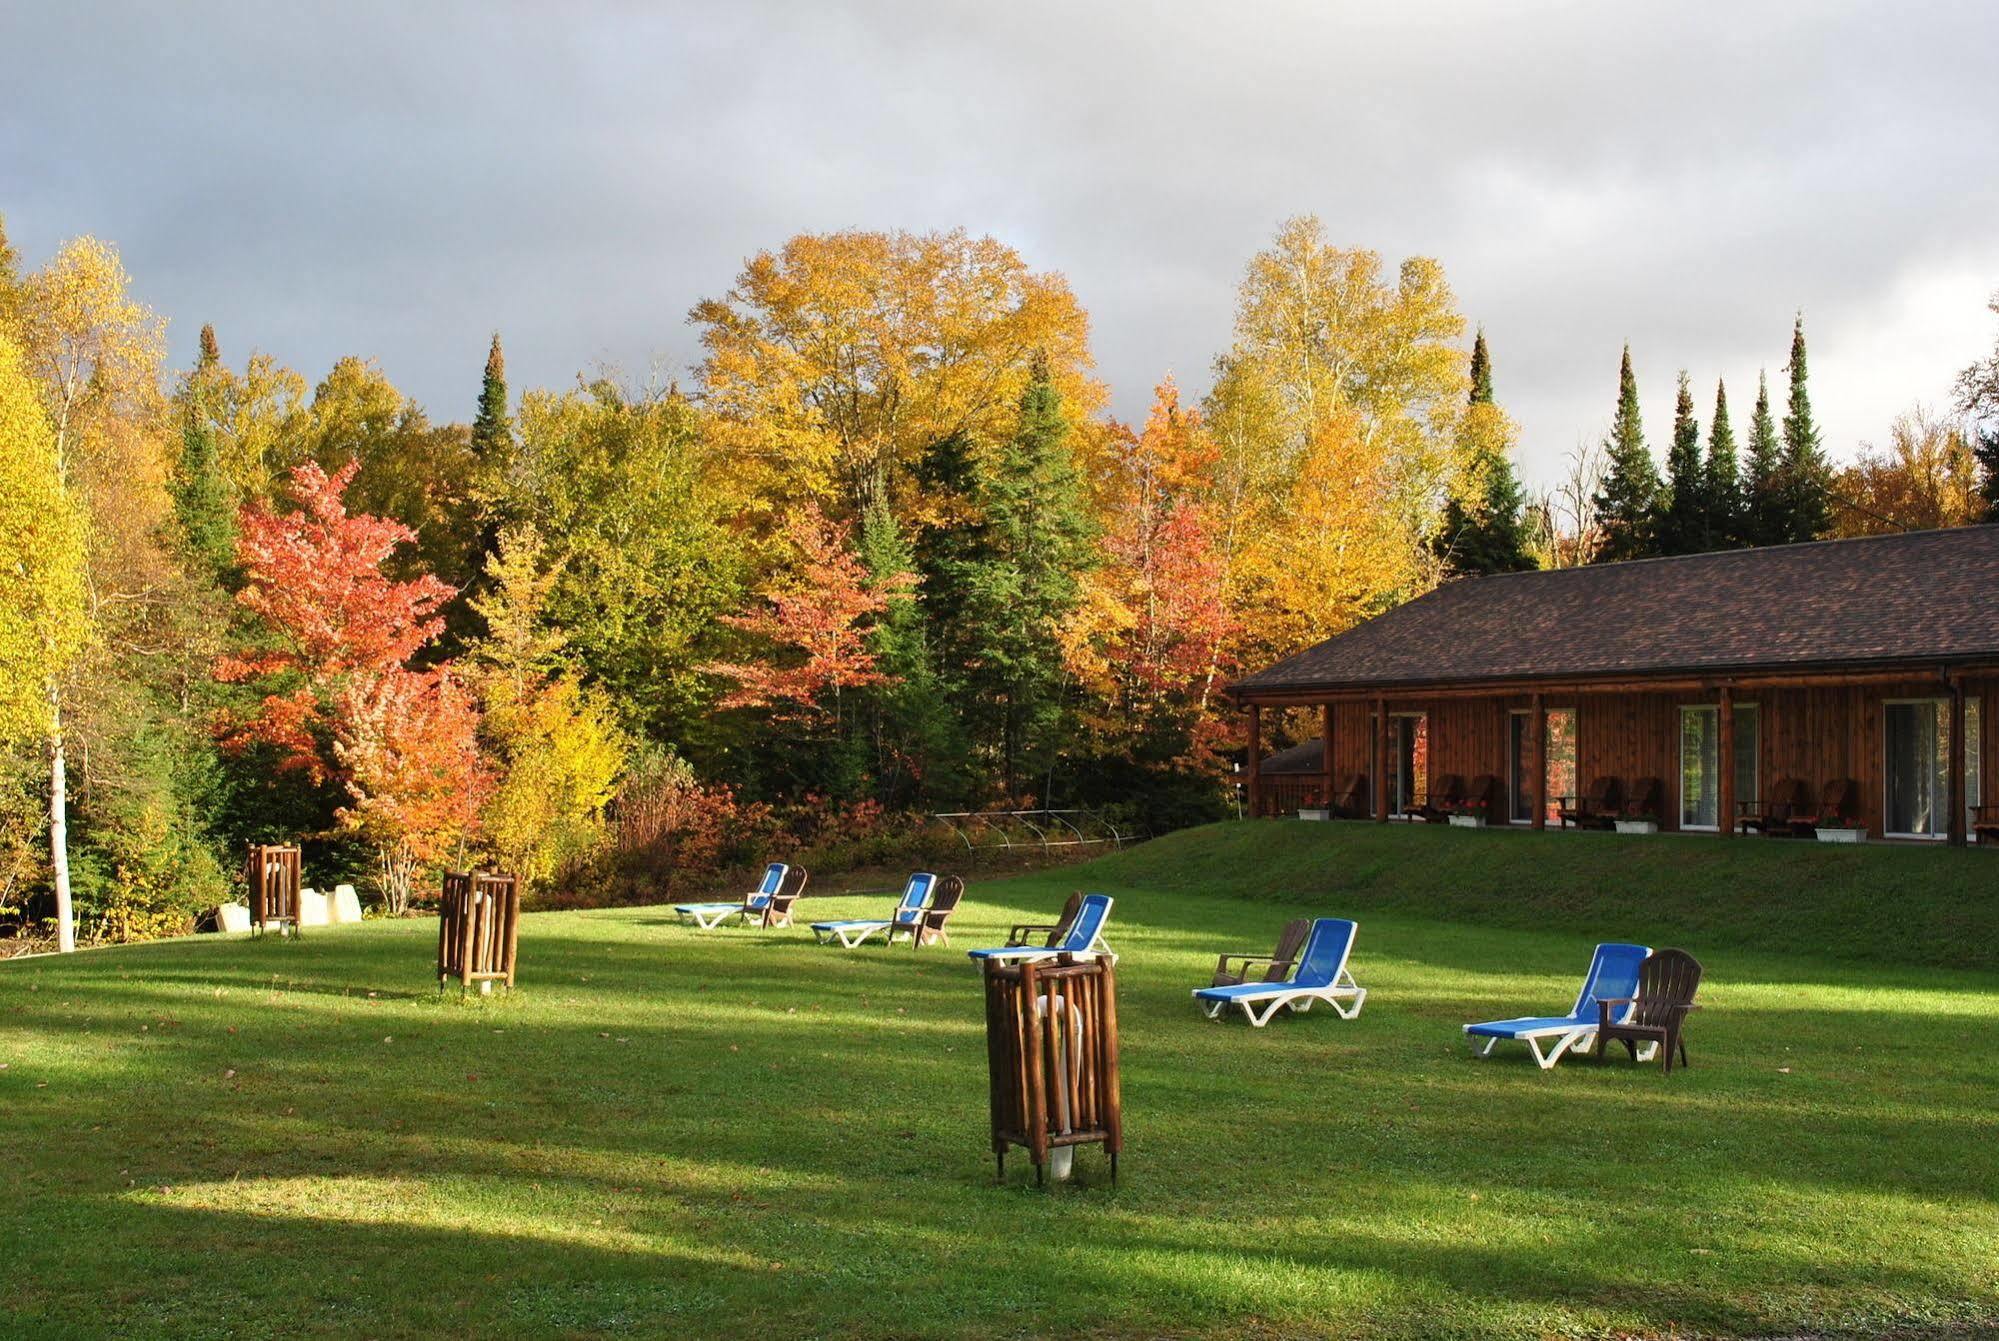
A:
<point x="1019" y="935"/>
<point x="1222" y="963"/>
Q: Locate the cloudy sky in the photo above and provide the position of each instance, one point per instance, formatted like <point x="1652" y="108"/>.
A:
<point x="400" y="180"/>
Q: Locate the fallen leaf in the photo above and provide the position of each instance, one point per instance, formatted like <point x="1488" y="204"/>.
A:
<point x="230" y="1074"/>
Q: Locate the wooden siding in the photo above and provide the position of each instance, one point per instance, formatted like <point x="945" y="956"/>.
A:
<point x="1815" y="734"/>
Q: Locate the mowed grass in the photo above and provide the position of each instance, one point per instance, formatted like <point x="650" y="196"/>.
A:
<point x="672" y="1133"/>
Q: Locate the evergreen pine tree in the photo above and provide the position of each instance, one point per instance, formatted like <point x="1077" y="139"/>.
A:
<point x="1489" y="536"/>
<point x="1724" y="478"/>
<point x="211" y="350"/>
<point x="492" y="429"/>
<point x="1683" y="527"/>
<point x="1763" y="500"/>
<point x="1807" y="475"/>
<point x="1627" y="502"/>
<point x="204" y="502"/>
<point x="1985" y="446"/>
<point x="917" y="746"/>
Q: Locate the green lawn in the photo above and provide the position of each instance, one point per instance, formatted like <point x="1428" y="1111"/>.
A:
<point x="671" y="1133"/>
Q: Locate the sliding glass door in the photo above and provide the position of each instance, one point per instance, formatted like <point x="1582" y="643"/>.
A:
<point x="1408" y="761"/>
<point x="1700" y="762"/>
<point x="1560" y="729"/>
<point x="1916" y="745"/>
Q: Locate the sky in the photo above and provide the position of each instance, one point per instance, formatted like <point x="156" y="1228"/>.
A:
<point x="399" y="181"/>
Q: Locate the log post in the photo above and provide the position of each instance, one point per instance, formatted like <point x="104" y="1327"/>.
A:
<point x="1724" y="821"/>
<point x="1326" y="752"/>
<point x="1957" y="743"/>
<point x="1539" y="725"/>
<point x="1381" y="760"/>
<point x="1255" y="761"/>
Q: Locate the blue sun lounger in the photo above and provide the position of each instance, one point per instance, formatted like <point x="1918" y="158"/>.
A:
<point x="708" y="916"/>
<point x="1083" y="935"/>
<point x="1613" y="974"/>
<point x="1321" y="975"/>
<point x="908" y="914"/>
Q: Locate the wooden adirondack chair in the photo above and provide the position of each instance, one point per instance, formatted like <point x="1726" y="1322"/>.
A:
<point x="1667" y="981"/>
<point x="1644" y="801"/>
<point x="1481" y="797"/>
<point x="777" y="912"/>
<point x="1350" y="798"/>
<point x="1595" y="809"/>
<point x="1024" y="933"/>
<point x="1231" y="969"/>
<point x="929" y="929"/>
<point x="1772" y="816"/>
<point x="1835" y="808"/>
<point x="1436" y="807"/>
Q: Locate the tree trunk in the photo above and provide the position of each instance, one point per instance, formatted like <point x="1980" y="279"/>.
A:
<point x="59" y="824"/>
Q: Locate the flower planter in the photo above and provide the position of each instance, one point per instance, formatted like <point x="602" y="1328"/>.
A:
<point x="1637" y="826"/>
<point x="1311" y="813"/>
<point x="1467" y="821"/>
<point x="1841" y="835"/>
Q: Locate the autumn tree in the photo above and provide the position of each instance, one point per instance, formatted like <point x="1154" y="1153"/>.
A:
<point x="1978" y="398"/>
<point x="1928" y="477"/>
<point x="1723" y="478"/>
<point x="1628" y="500"/>
<point x="835" y="362"/>
<point x="1806" y="475"/>
<point x="1763" y="506"/>
<point x="1483" y="531"/>
<point x="1683" y="523"/>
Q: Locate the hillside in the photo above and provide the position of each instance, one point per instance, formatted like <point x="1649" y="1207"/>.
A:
<point x="1877" y="903"/>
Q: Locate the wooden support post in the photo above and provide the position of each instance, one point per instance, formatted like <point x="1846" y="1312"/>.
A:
<point x="1326" y="752"/>
<point x="1957" y="781"/>
<point x="1381" y="760"/>
<point x="1255" y="761"/>
<point x="1725" y="764"/>
<point x="1539" y="725"/>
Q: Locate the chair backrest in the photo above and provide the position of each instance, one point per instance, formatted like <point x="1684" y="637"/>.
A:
<point x="1603" y="793"/>
<point x="1666" y="985"/>
<point x="1449" y="790"/>
<point x="793" y="883"/>
<point x="1326" y="952"/>
<point x="1789" y="792"/>
<point x="1644" y="798"/>
<point x="1484" y="790"/>
<point x="1091" y="915"/>
<point x="773" y="881"/>
<point x="1836" y="799"/>
<point x="1352" y="794"/>
<point x="949" y="890"/>
<point x="1289" y="942"/>
<point x="1613" y="973"/>
<point x="915" y="893"/>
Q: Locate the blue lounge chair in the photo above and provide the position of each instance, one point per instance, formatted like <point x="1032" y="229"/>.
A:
<point x="1321" y="975"/>
<point x="708" y="916"/>
<point x="1613" y="974"/>
<point x="1080" y="934"/>
<point x="908" y="915"/>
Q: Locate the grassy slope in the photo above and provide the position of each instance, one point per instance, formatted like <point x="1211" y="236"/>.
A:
<point x="666" y="1133"/>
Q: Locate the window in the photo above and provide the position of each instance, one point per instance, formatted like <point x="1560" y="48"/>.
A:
<point x="1560" y="731"/>
<point x="1408" y="761"/>
<point x="1916" y="743"/>
<point x="1700" y="762"/>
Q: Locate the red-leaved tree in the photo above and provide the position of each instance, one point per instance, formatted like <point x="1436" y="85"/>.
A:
<point x="813" y="621"/>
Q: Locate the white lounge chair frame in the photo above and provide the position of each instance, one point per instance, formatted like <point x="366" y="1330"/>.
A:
<point x="1573" y="1034"/>
<point x="708" y="916"/>
<point x="1277" y="996"/>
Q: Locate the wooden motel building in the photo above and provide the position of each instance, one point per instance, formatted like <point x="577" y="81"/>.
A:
<point x="1836" y="686"/>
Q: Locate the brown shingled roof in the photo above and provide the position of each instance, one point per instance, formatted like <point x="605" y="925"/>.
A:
<point x="1928" y="596"/>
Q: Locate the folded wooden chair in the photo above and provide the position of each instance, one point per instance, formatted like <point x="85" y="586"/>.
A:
<point x="1232" y="969"/>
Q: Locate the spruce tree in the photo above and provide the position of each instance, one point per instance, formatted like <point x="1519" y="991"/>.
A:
<point x="917" y="745"/>
<point x="1724" y="478"/>
<point x="1489" y="536"/>
<point x="1627" y="502"/>
<point x="492" y="429"/>
<point x="1986" y="448"/>
<point x="1683" y="527"/>
<point x="1763" y="518"/>
<point x="1807" y="475"/>
<point x="204" y="502"/>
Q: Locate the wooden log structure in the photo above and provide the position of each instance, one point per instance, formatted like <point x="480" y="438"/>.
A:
<point x="1052" y="1058"/>
<point x="478" y="929"/>
<point x="272" y="872"/>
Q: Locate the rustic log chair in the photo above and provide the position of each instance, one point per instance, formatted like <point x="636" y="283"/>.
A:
<point x="1644" y="801"/>
<point x="929" y="928"/>
<point x="1350" y="798"/>
<point x="1772" y="815"/>
<point x="1234" y="969"/>
<point x="1482" y="798"/>
<point x="1667" y="981"/>
<point x="1596" y="808"/>
<point x="1437" y="802"/>
<point x="777" y="910"/>
<point x="1834" y="810"/>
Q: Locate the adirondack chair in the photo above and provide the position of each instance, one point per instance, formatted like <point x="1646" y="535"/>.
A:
<point x="929" y="928"/>
<point x="777" y="912"/>
<point x="1837" y="802"/>
<point x="1350" y="798"/>
<point x="1595" y="809"/>
<point x="1231" y="969"/>
<point x="1444" y="794"/>
<point x="1645" y="800"/>
<point x="1482" y="798"/>
<point x="1771" y="816"/>
<point x="1667" y="981"/>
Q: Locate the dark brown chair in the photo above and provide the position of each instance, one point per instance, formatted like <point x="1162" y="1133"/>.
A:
<point x="1837" y="802"/>
<point x="1984" y="823"/>
<point x="1024" y="933"/>
<point x="1482" y="798"/>
<point x="777" y="912"/>
<point x="1232" y="969"/>
<point x="1437" y="803"/>
<point x="1772" y="816"/>
<point x="929" y="928"/>
<point x="1595" y="809"/>
<point x="1350" y="798"/>
<point x="1667" y="981"/>
<point x="1645" y="800"/>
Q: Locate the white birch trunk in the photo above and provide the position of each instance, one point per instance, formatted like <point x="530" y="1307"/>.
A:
<point x="59" y="825"/>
